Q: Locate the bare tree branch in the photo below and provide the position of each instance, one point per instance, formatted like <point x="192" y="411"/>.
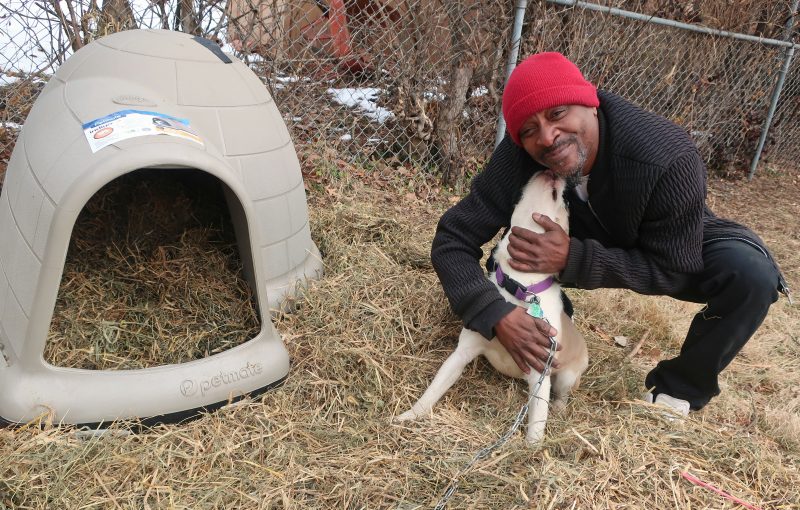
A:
<point x="185" y="18"/>
<point x="78" y="42"/>
<point x="117" y="15"/>
<point x="69" y="27"/>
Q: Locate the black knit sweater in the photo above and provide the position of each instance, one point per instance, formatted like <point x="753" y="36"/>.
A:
<point x="642" y="228"/>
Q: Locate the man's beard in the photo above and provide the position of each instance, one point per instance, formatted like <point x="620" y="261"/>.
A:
<point x="573" y="178"/>
<point x="573" y="175"/>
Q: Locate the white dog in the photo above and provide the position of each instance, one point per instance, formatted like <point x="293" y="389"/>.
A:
<point x="542" y="194"/>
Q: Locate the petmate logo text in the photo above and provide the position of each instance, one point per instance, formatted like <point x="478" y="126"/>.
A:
<point x="190" y="387"/>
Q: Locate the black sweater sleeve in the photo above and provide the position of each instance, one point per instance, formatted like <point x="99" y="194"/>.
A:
<point x="462" y="231"/>
<point x="669" y="245"/>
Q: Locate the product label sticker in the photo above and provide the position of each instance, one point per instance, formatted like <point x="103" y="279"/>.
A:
<point x="126" y="124"/>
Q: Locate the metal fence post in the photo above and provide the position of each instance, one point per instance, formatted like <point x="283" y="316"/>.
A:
<point x="777" y="91"/>
<point x="519" y="16"/>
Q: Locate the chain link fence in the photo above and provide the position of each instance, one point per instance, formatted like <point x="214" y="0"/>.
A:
<point x="783" y="139"/>
<point x="420" y="81"/>
<point x="716" y="87"/>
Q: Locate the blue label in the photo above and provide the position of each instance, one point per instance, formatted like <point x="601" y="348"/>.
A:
<point x="123" y="113"/>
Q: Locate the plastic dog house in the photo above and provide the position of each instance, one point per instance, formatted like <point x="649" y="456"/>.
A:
<point x="145" y="99"/>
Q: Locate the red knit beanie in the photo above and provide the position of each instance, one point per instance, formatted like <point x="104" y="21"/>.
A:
<point x="542" y="81"/>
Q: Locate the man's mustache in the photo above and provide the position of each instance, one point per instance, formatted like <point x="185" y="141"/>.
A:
<point x="559" y="144"/>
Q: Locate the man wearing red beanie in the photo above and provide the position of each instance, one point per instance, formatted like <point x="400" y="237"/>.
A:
<point x="638" y="220"/>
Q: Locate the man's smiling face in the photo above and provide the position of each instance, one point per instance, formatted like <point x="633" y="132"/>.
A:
<point x="563" y="138"/>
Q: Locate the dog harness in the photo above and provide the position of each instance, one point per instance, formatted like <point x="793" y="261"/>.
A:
<point x="518" y="290"/>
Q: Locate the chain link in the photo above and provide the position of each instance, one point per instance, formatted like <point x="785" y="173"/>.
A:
<point x="419" y="82"/>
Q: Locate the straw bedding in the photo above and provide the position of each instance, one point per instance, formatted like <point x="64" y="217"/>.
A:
<point x="364" y="342"/>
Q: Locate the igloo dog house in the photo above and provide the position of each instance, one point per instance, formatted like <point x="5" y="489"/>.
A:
<point x="145" y="99"/>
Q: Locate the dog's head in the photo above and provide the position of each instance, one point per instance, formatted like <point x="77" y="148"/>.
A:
<point x="544" y="194"/>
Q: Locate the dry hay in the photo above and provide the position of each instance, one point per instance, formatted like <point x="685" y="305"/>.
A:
<point x="366" y="340"/>
<point x="152" y="277"/>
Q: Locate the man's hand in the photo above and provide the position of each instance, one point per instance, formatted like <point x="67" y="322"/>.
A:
<point x="526" y="339"/>
<point x="539" y="253"/>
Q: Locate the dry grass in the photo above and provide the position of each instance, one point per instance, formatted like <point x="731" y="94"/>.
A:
<point x="366" y="340"/>
<point x="152" y="277"/>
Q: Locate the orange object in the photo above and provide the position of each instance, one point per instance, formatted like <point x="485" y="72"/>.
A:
<point x="337" y="23"/>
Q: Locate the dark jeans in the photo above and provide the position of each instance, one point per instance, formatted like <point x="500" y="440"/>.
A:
<point x="738" y="285"/>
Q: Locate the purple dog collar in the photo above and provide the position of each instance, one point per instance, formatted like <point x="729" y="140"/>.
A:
<point x="517" y="289"/>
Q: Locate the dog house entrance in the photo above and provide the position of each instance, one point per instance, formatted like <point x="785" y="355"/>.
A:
<point x="154" y="275"/>
<point x="141" y="257"/>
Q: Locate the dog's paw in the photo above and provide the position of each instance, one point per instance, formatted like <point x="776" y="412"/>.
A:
<point x="535" y="433"/>
<point x="534" y="437"/>
<point x="558" y="405"/>
<point x="406" y="416"/>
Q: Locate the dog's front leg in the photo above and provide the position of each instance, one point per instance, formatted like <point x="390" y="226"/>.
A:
<point x="470" y="346"/>
<point x="539" y="397"/>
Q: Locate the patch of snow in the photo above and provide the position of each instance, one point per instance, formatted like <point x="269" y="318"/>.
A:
<point x="252" y="58"/>
<point x="434" y="96"/>
<point x="346" y="138"/>
<point x="480" y="91"/>
<point x="11" y="125"/>
<point x="282" y="81"/>
<point x="363" y="99"/>
<point x="290" y="79"/>
<point x="441" y="96"/>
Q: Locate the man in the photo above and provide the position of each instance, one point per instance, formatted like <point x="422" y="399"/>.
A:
<point x="638" y="220"/>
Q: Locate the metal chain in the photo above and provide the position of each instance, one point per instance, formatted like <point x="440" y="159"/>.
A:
<point x="451" y="489"/>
